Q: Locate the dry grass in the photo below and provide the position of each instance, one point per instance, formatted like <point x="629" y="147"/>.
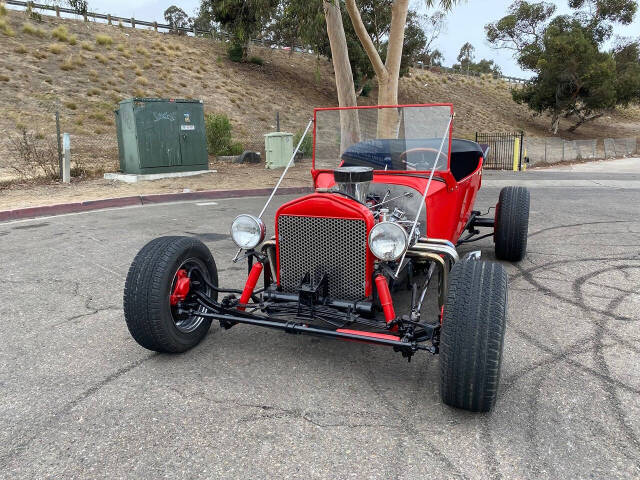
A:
<point x="6" y="29"/>
<point x="31" y="29"/>
<point x="101" y="58"/>
<point x="68" y="64"/>
<point x="39" y="54"/>
<point x="142" y="81"/>
<point x="62" y="34"/>
<point x="4" y="78"/>
<point x="56" y="48"/>
<point x="142" y="51"/>
<point x="86" y="46"/>
<point x="21" y="49"/>
<point x="104" y="40"/>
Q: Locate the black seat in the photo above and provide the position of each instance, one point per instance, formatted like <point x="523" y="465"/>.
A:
<point x="464" y="164"/>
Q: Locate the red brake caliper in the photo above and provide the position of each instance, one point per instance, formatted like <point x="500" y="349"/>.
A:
<point x="180" y="291"/>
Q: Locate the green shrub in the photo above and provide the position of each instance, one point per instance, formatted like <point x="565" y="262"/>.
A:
<point x="256" y="60"/>
<point x="235" y="52"/>
<point x="219" y="140"/>
<point x="366" y="89"/>
<point x="3" y="10"/>
<point x="307" y="144"/>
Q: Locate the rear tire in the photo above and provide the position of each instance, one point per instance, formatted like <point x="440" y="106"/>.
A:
<point x="152" y="321"/>
<point x="512" y="224"/>
<point x="472" y="335"/>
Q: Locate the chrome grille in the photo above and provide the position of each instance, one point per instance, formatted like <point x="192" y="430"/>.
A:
<point x="335" y="246"/>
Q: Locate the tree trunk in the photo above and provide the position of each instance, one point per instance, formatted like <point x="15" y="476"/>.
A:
<point x="349" y="123"/>
<point x="555" y="123"/>
<point x="584" y="120"/>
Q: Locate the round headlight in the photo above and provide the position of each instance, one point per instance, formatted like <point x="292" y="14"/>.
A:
<point x="388" y="241"/>
<point x="247" y="231"/>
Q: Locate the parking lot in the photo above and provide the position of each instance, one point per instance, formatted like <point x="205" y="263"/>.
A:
<point x="80" y="399"/>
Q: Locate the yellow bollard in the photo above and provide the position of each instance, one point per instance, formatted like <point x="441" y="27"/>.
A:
<point x="516" y="153"/>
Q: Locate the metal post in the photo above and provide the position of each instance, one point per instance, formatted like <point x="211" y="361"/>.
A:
<point x="66" y="166"/>
<point x="109" y="18"/>
<point x="57" y="11"/>
<point x="133" y="22"/>
<point x="59" y="144"/>
<point x="155" y="26"/>
<point x="277" y="121"/>
<point x="545" y="149"/>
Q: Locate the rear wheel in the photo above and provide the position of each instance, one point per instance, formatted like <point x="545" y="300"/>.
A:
<point x="512" y="223"/>
<point x="472" y="335"/>
<point x="165" y="275"/>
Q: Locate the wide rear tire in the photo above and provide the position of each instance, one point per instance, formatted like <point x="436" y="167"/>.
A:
<point x="512" y="223"/>
<point x="472" y="335"/>
<point x="152" y="321"/>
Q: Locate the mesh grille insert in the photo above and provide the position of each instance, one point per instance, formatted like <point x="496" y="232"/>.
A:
<point x="335" y="246"/>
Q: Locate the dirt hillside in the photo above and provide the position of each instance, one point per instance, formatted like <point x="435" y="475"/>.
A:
<point x="84" y="69"/>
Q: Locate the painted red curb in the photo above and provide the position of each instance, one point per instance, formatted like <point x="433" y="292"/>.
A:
<point x="60" y="209"/>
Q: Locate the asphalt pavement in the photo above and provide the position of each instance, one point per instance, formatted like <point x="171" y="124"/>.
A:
<point x="80" y="399"/>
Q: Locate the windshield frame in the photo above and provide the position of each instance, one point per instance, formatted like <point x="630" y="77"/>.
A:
<point x="412" y="172"/>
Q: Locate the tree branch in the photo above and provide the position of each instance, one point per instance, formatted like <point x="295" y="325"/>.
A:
<point x="365" y="40"/>
<point x="396" y="36"/>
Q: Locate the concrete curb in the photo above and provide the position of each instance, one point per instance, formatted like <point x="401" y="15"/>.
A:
<point x="61" y="209"/>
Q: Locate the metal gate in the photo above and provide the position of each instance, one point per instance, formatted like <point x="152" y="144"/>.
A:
<point x="505" y="150"/>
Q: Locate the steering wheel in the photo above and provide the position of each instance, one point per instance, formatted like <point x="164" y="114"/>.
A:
<point x="403" y="156"/>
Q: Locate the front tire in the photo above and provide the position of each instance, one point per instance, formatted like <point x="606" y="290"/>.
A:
<point x="512" y="223"/>
<point x="472" y="335"/>
<point x="152" y="321"/>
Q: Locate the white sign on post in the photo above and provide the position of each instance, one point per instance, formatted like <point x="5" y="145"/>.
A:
<point x="66" y="162"/>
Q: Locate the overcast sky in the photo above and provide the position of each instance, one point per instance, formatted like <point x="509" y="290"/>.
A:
<point x="465" y="24"/>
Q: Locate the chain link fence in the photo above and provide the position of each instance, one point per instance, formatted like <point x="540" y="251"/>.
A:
<point x="550" y="150"/>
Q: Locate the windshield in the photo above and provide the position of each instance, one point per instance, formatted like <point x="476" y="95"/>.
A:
<point x="384" y="138"/>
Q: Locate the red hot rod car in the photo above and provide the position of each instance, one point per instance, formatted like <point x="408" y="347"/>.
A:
<point x="394" y="196"/>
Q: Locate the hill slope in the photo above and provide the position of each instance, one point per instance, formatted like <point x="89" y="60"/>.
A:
<point x="84" y="69"/>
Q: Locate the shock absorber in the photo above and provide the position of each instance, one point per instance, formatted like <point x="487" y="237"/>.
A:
<point x="254" y="276"/>
<point x="385" y="299"/>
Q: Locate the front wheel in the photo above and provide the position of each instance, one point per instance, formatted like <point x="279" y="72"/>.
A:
<point x="164" y="277"/>
<point x="512" y="223"/>
<point x="472" y="335"/>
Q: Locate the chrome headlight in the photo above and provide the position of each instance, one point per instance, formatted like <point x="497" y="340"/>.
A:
<point x="388" y="241"/>
<point x="247" y="231"/>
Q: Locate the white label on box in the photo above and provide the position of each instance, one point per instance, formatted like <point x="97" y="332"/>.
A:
<point x="187" y="127"/>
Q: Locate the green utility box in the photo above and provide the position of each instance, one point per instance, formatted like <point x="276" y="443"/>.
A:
<point x="158" y="135"/>
<point x="278" y="147"/>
